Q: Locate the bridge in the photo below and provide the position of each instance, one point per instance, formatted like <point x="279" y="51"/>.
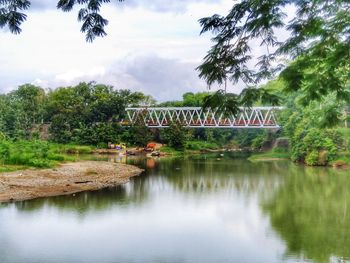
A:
<point x="196" y="117"/>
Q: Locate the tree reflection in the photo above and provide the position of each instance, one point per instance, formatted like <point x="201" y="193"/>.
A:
<point x="212" y="175"/>
<point x="82" y="203"/>
<point x="311" y="212"/>
<point x="308" y="207"/>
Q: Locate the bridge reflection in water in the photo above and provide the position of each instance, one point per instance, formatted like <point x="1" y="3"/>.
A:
<point x="196" y="117"/>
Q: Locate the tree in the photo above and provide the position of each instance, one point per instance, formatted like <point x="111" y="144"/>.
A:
<point x="12" y="16"/>
<point x="319" y="45"/>
<point x="176" y="135"/>
<point x="87" y="110"/>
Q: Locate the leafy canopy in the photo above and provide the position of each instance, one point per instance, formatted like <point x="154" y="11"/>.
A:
<point x="319" y="45"/>
<point x="12" y="15"/>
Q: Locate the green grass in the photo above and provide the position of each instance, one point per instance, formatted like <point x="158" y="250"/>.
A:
<point x="276" y="153"/>
<point x="346" y="135"/>
<point x="342" y="158"/>
<point x="72" y="149"/>
<point x="36" y="153"/>
<point x="192" y="147"/>
<point x="201" y="145"/>
<point x="11" y="168"/>
<point x="171" y="151"/>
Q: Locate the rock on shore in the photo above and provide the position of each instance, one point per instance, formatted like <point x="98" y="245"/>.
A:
<point x="66" y="179"/>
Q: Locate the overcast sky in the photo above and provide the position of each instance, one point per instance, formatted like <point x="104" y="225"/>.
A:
<point x="151" y="46"/>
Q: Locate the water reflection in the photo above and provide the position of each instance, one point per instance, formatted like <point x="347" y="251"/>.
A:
<point x="311" y="212"/>
<point x="200" y="209"/>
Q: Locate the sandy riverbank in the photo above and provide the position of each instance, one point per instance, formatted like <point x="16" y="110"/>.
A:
<point x="66" y="179"/>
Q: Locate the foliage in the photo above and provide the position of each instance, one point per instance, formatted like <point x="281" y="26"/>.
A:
<point x="11" y="15"/>
<point x="84" y="114"/>
<point x="171" y="151"/>
<point x="201" y="145"/>
<point x="276" y="153"/>
<point x="308" y="145"/>
<point x="176" y="135"/>
<point x="313" y="129"/>
<point x="103" y="132"/>
<point x="71" y="149"/>
<point x="138" y="135"/>
<point x="36" y="153"/>
<point x="189" y="99"/>
<point x="20" y="109"/>
<point x="345" y="133"/>
<point x="318" y="44"/>
<point x="257" y="142"/>
<point x="251" y="138"/>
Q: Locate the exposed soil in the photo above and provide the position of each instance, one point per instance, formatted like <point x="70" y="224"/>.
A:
<point x="66" y="179"/>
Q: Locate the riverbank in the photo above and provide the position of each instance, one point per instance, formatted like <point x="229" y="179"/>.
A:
<point x="342" y="161"/>
<point x="68" y="178"/>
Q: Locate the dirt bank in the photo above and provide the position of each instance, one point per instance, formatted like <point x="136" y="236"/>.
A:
<point x="66" y="179"/>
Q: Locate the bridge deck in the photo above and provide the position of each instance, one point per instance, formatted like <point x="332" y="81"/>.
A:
<point x="195" y="117"/>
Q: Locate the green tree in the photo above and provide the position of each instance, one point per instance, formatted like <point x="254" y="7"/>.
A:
<point x="176" y="135"/>
<point x="86" y="112"/>
<point x="194" y="99"/>
<point x="318" y="43"/>
<point x="20" y="110"/>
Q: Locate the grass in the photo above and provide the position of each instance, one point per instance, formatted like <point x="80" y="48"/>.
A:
<point x="16" y="155"/>
<point x="72" y="149"/>
<point x="11" y="168"/>
<point x="171" y="151"/>
<point x="277" y="153"/>
<point x="201" y="145"/>
<point x="191" y="147"/>
<point x="342" y="159"/>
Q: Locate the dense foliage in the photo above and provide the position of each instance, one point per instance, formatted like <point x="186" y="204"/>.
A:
<point x="85" y="114"/>
<point x="319" y="45"/>
<point x="176" y="135"/>
<point x="36" y="153"/>
<point x="313" y="129"/>
<point x="89" y="114"/>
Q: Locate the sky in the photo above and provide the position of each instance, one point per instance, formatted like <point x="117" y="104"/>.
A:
<point x="151" y="46"/>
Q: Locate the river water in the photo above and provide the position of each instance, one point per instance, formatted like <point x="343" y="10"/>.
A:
<point x="197" y="209"/>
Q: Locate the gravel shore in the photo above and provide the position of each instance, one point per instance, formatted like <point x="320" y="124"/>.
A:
<point x="66" y="179"/>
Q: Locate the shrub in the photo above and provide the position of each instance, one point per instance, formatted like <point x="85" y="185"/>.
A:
<point x="314" y="146"/>
<point x="176" y="135"/>
<point x="312" y="158"/>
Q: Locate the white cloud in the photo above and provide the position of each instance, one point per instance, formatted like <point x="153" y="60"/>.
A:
<point x="51" y="51"/>
<point x="163" y="78"/>
<point x="151" y="46"/>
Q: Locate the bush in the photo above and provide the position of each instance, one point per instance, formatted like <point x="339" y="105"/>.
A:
<point x="312" y="158"/>
<point x="314" y="146"/>
<point x="176" y="135"/>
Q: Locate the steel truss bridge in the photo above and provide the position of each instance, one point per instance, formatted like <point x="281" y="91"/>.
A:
<point x="195" y="117"/>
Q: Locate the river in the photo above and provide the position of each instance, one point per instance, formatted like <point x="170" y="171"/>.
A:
<point x="198" y="209"/>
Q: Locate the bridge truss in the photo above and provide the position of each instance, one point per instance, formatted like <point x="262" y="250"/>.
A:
<point x="195" y="117"/>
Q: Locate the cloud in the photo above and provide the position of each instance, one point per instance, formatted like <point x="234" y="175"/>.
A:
<point x="177" y="6"/>
<point x="145" y="50"/>
<point x="162" y="78"/>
